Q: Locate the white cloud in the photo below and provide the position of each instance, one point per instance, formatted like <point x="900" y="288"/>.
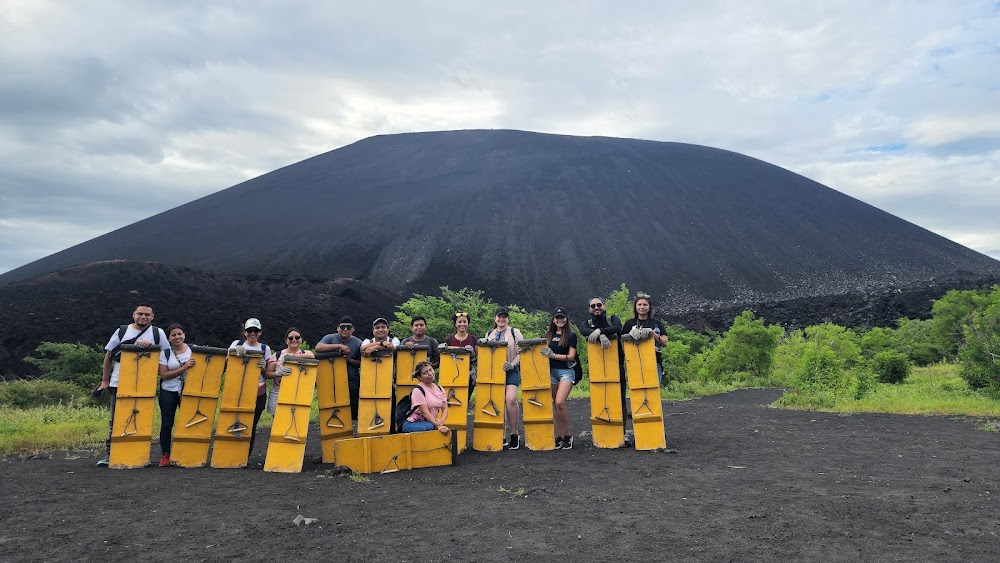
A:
<point x="890" y="103"/>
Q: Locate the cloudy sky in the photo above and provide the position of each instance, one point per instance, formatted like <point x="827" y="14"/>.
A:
<point x="113" y="111"/>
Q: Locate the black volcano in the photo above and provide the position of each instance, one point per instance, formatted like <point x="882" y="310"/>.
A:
<point x="542" y="220"/>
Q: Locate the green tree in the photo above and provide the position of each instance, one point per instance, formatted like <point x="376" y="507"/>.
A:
<point x="619" y="303"/>
<point x="914" y="338"/>
<point x="877" y="340"/>
<point x="980" y="353"/>
<point x="891" y="366"/>
<point x="950" y="314"/>
<point x="745" y="350"/>
<point x="78" y="364"/>
<point x="439" y="312"/>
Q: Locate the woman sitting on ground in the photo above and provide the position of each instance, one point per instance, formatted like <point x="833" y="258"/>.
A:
<point x="430" y="406"/>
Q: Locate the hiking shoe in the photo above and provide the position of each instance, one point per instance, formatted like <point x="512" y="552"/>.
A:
<point x="165" y="460"/>
<point x="559" y="442"/>
<point x="103" y="462"/>
<point x="567" y="443"/>
<point x="515" y="442"/>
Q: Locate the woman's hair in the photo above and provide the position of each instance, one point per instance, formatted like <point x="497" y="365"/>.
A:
<point x="641" y="297"/>
<point x="564" y="338"/>
<point x="419" y="368"/>
<point x="291" y="330"/>
<point x="458" y="315"/>
<point x="173" y="326"/>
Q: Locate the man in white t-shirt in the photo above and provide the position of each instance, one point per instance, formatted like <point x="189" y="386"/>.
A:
<point x="141" y="333"/>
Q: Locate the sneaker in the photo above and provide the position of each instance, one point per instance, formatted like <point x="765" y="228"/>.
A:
<point x="515" y="442"/>
<point x="103" y="462"/>
<point x="559" y="443"/>
<point x="165" y="460"/>
<point x="506" y="443"/>
<point x="567" y="443"/>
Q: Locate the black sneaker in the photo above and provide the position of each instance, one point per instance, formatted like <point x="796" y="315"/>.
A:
<point x="559" y="443"/>
<point x="515" y="442"/>
<point x="567" y="443"/>
<point x="506" y="443"/>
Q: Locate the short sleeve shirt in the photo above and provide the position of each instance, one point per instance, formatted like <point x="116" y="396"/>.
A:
<point x="432" y="396"/>
<point x="173" y="361"/>
<point x="354" y="343"/>
<point x="132" y="333"/>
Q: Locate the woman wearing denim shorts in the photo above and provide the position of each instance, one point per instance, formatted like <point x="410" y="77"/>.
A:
<point x="561" y="351"/>
<point x="512" y="367"/>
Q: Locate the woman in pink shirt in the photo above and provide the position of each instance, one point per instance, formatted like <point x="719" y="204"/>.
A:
<point x="430" y="406"/>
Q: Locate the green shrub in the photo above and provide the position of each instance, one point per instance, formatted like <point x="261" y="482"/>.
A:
<point x="78" y="364"/>
<point x="980" y="352"/>
<point x="40" y="392"/>
<point x="745" y="352"/>
<point x="891" y="366"/>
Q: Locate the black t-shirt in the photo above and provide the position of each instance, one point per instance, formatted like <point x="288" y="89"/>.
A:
<point x="559" y="349"/>
<point x="654" y="324"/>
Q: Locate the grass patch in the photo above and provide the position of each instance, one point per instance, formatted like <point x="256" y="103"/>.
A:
<point x="937" y="389"/>
<point x="33" y="430"/>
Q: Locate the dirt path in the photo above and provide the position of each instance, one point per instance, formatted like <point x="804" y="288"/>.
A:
<point x="744" y="483"/>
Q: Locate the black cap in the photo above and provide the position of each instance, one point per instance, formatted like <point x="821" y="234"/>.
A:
<point x="559" y="312"/>
<point x="346" y="320"/>
<point x="502" y="311"/>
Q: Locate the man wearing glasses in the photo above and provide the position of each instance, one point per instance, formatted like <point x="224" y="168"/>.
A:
<point x="350" y="346"/>
<point x="599" y="328"/>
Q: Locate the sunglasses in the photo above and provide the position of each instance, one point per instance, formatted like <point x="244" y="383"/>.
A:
<point x="461" y="314"/>
<point x="596" y="305"/>
<point x="295" y="338"/>
<point x="249" y="330"/>
<point x="345" y="327"/>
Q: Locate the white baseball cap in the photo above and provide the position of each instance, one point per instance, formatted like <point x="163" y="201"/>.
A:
<point x="252" y="323"/>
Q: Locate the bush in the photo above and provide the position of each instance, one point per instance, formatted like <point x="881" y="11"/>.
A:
<point x="39" y="392"/>
<point x="71" y="363"/>
<point x="744" y="354"/>
<point x="891" y="366"/>
<point x="980" y="352"/>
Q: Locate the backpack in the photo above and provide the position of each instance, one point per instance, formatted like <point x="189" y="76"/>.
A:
<point x="263" y="350"/>
<point x="405" y="408"/>
<point x="116" y="352"/>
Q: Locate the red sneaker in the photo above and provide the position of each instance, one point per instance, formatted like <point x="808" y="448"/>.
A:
<point x="165" y="460"/>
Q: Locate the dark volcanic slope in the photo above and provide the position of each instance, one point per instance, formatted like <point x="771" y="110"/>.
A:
<point x="542" y="220"/>
<point x="86" y="303"/>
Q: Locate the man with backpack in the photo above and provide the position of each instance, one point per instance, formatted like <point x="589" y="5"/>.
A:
<point x="140" y="332"/>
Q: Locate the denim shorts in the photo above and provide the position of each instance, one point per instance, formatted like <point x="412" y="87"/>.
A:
<point x="513" y="378"/>
<point x="561" y="374"/>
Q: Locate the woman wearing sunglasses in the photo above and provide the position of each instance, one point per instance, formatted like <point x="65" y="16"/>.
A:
<point x="463" y="339"/>
<point x="293" y="343"/>
<point x="268" y="367"/>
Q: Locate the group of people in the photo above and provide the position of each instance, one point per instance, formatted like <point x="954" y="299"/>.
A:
<point x="430" y="405"/>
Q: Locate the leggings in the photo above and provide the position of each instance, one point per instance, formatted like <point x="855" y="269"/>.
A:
<point x="169" y="401"/>
<point x="258" y="409"/>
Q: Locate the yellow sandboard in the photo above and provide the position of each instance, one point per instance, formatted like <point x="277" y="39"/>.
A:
<point x="199" y="400"/>
<point x="396" y="452"/>
<point x="607" y="420"/>
<point x="132" y="429"/>
<point x="647" y="408"/>
<point x="454" y="379"/>
<point x="287" y="445"/>
<point x="487" y="419"/>
<point x="536" y="392"/>
<point x="334" y="400"/>
<point x="231" y="446"/>
<point x="406" y="360"/>
<point x="375" y="408"/>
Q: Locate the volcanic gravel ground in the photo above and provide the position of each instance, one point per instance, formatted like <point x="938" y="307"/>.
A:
<point x="740" y="482"/>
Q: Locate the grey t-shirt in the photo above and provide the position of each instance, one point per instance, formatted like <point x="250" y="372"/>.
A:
<point x="354" y="343"/>
<point x="434" y="355"/>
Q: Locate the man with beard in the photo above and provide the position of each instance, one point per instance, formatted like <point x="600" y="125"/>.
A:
<point x="599" y="328"/>
<point x="141" y="333"/>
